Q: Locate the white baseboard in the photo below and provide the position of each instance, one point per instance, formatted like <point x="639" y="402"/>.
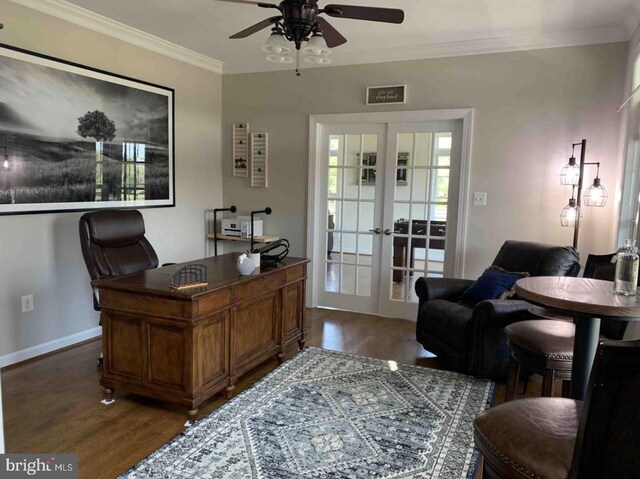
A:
<point x="40" y="349"/>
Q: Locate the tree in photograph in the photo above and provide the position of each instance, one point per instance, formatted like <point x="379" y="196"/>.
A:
<point x="97" y="125"/>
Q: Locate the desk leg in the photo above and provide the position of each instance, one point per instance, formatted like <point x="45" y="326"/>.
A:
<point x="584" y="352"/>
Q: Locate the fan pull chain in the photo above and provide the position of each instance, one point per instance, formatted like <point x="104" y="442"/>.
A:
<point x="298" y="63"/>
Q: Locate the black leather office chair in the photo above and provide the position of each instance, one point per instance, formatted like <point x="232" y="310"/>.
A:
<point x="113" y="244"/>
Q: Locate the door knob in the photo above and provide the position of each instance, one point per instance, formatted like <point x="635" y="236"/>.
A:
<point x="376" y="231"/>
<point x="387" y="232"/>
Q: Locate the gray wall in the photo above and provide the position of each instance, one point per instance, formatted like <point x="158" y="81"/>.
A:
<point x="530" y="107"/>
<point x="40" y="254"/>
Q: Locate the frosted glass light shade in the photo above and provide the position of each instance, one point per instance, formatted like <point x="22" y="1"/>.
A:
<point x="596" y="194"/>
<point x="7" y="164"/>
<point x="318" y="60"/>
<point x="276" y="44"/>
<point x="571" y="215"/>
<point x="316" y="46"/>
<point x="282" y="59"/>
<point x="570" y="173"/>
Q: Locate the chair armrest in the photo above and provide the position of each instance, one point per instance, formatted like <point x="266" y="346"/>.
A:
<point x="489" y="354"/>
<point x="441" y="288"/>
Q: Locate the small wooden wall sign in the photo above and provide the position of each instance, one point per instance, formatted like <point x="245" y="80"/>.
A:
<point x="386" y="95"/>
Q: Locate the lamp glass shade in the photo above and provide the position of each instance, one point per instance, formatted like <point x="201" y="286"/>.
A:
<point x="318" y="60"/>
<point x="276" y="44"/>
<point x="596" y="194"/>
<point x="7" y="164"/>
<point x="570" y="174"/>
<point x="282" y="59"/>
<point x="316" y="46"/>
<point x="571" y="215"/>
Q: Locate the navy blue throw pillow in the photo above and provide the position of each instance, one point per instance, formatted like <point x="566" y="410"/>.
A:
<point x="493" y="284"/>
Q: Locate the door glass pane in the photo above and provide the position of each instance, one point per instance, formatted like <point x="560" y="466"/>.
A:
<point x="366" y="218"/>
<point x="348" y="279"/>
<point x="350" y="216"/>
<point x="351" y="187"/>
<point x="332" y="281"/>
<point x="420" y="185"/>
<point x="365" y="249"/>
<point x="335" y="183"/>
<point x="336" y="150"/>
<point x="423" y="149"/>
<point x="353" y="150"/>
<point x="349" y="248"/>
<point x="364" y="281"/>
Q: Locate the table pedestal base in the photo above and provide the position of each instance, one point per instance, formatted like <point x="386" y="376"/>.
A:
<point x="584" y="351"/>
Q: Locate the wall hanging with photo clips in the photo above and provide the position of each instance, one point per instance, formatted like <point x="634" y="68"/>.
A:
<point x="259" y="159"/>
<point x="241" y="150"/>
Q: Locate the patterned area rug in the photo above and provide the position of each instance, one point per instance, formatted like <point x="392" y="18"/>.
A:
<point x="325" y="414"/>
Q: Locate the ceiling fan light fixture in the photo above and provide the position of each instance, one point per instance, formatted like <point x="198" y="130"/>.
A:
<point x="276" y="44"/>
<point x="318" y="60"/>
<point x="317" y="46"/>
<point x="282" y="59"/>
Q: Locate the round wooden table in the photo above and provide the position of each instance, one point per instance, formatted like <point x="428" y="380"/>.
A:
<point x="589" y="301"/>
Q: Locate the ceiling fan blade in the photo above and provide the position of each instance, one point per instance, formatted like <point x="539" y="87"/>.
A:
<point x="332" y="36"/>
<point x="256" y="28"/>
<point x="251" y="2"/>
<point x="373" y="14"/>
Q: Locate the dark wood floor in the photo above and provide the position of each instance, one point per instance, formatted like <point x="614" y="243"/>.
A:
<point x="53" y="404"/>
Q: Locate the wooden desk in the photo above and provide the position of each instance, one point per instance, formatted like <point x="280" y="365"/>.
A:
<point x="185" y="346"/>
<point x="589" y="301"/>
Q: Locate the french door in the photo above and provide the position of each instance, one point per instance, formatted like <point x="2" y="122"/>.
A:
<point x="353" y="200"/>
<point x="391" y="193"/>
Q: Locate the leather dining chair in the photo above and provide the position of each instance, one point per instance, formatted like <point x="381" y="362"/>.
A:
<point x="113" y="244"/>
<point x="562" y="438"/>
<point x="545" y="346"/>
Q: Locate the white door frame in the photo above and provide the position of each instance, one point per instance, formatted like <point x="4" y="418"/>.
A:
<point x="316" y="220"/>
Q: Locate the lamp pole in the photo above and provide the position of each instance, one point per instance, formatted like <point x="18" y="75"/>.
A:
<point x="583" y="150"/>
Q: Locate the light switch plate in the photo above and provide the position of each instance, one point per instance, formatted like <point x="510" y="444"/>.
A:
<point x="479" y="199"/>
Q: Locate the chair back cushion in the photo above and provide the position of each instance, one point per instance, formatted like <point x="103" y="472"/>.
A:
<point x="113" y="243"/>
<point x="607" y="442"/>
<point x="538" y="259"/>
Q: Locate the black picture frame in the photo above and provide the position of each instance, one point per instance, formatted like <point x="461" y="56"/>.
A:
<point x="79" y="138"/>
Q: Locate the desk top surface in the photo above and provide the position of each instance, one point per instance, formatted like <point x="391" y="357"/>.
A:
<point x="221" y="273"/>
<point x="579" y="295"/>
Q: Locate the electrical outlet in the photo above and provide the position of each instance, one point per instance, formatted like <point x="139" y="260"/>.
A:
<point x="27" y="303"/>
<point x="479" y="199"/>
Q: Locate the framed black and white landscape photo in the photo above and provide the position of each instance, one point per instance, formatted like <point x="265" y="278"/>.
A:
<point x="75" y="138"/>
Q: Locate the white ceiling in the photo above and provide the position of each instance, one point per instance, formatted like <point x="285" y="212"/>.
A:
<point x="432" y="28"/>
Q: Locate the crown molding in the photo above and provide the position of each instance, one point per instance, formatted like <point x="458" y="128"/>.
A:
<point x="521" y="42"/>
<point x="88" y="19"/>
<point x="632" y="20"/>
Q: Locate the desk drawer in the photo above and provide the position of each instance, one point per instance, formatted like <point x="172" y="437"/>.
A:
<point x="294" y="274"/>
<point x="258" y="286"/>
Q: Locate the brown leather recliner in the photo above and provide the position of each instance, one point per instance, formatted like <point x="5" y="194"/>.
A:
<point x="471" y="339"/>
<point x="113" y="244"/>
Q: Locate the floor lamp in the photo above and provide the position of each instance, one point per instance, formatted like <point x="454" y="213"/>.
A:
<point x="572" y="174"/>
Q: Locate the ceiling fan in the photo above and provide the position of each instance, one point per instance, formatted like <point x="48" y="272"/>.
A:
<point x="299" y="21"/>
